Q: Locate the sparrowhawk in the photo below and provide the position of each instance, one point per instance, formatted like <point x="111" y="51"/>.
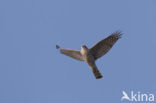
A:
<point x="90" y="55"/>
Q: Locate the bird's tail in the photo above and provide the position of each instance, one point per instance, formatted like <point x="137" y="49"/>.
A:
<point x="96" y="72"/>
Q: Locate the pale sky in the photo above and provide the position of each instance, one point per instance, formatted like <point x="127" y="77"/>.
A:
<point x="33" y="71"/>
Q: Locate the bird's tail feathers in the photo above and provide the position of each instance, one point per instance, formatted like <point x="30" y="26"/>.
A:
<point x="96" y="72"/>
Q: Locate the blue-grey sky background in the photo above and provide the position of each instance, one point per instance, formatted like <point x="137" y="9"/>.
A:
<point x="33" y="71"/>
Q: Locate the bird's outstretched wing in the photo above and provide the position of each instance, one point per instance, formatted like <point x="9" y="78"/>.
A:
<point x="72" y="53"/>
<point x="103" y="46"/>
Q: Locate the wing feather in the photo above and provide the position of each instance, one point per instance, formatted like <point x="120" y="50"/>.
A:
<point x="103" y="46"/>
<point x="72" y="53"/>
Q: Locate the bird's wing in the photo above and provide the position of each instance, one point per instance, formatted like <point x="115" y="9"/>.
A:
<point x="103" y="46"/>
<point x="72" y="53"/>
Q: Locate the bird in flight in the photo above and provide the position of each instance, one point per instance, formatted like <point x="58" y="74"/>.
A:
<point x="90" y="55"/>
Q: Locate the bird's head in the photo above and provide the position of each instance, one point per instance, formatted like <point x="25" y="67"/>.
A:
<point x="84" y="47"/>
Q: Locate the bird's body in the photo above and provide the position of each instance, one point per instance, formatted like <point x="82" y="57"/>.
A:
<point x="89" y="59"/>
<point x="92" y="54"/>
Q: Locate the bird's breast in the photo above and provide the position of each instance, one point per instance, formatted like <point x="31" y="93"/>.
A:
<point x="83" y="52"/>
